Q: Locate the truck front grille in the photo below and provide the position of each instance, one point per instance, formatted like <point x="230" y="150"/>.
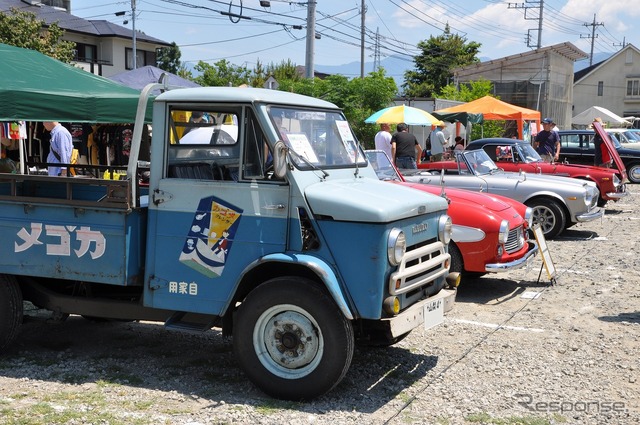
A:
<point x="421" y="265"/>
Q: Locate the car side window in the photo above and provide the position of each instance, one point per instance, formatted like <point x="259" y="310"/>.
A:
<point x="491" y="151"/>
<point x="572" y="141"/>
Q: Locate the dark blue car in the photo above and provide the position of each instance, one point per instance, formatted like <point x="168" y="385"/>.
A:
<point x="576" y="147"/>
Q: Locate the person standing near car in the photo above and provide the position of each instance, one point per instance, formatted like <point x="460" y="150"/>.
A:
<point x="405" y="149"/>
<point x="60" y="147"/>
<point x="383" y="139"/>
<point x="438" y="143"/>
<point x="547" y="142"/>
<point x="601" y="157"/>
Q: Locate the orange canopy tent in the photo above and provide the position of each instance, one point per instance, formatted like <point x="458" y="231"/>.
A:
<point x="495" y="109"/>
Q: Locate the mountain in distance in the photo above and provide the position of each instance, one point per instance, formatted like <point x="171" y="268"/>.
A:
<point x="597" y="57"/>
<point x="394" y="66"/>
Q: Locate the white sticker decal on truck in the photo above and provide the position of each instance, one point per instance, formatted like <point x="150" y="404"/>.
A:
<point x="63" y="234"/>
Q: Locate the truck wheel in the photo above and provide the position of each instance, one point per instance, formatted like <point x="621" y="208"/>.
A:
<point x="11" y="310"/>
<point x="549" y="215"/>
<point x="292" y="340"/>
<point x="633" y="172"/>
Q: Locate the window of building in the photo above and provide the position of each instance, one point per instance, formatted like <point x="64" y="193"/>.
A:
<point x="629" y="57"/>
<point x="143" y="58"/>
<point x="86" y="53"/>
<point x="633" y="88"/>
<point x="600" y="87"/>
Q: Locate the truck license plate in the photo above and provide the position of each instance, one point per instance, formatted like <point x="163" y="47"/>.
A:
<point x="433" y="313"/>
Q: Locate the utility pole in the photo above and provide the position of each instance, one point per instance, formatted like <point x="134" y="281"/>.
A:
<point x="537" y="5"/>
<point x="376" y="52"/>
<point x="133" y="26"/>
<point x="623" y="45"/>
<point x="311" y="37"/>
<point x="593" y="36"/>
<point x="362" y="28"/>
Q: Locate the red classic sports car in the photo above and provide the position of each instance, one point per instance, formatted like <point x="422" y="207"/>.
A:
<point x="518" y="155"/>
<point x="489" y="231"/>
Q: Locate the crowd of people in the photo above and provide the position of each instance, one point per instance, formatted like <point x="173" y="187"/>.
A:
<point x="406" y="152"/>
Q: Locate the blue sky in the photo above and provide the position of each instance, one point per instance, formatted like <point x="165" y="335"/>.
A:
<point x="203" y="33"/>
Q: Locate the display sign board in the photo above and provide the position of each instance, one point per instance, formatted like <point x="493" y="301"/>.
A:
<point x="543" y="248"/>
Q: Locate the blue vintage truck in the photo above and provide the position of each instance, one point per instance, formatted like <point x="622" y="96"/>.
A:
<point x="261" y="217"/>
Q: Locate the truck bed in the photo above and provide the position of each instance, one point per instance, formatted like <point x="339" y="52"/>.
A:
<point x="72" y="228"/>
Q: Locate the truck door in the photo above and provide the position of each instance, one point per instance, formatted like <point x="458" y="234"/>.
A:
<point x="216" y="208"/>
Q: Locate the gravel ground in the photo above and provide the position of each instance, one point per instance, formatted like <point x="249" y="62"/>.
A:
<point x="570" y="355"/>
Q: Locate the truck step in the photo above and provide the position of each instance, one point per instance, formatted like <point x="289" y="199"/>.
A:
<point x="177" y="321"/>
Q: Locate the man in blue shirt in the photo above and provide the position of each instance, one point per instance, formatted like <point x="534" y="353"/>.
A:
<point x="547" y="142"/>
<point x="60" y="147"/>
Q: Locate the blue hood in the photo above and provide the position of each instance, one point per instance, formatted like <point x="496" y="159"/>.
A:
<point x="369" y="200"/>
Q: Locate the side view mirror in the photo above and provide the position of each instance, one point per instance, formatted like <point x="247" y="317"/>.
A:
<point x="280" y="159"/>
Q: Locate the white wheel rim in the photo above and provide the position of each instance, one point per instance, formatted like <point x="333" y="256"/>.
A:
<point x="288" y="341"/>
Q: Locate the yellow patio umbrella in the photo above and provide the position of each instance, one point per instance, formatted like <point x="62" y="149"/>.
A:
<point x="403" y="113"/>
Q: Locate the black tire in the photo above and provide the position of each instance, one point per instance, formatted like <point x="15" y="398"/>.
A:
<point x="457" y="263"/>
<point x="11" y="310"/>
<point x="633" y="172"/>
<point x="291" y="339"/>
<point x="549" y="215"/>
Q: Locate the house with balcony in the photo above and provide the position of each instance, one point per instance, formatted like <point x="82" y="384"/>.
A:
<point x="613" y="84"/>
<point x="102" y="47"/>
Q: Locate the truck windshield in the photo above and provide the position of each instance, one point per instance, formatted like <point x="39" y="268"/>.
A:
<point x="323" y="138"/>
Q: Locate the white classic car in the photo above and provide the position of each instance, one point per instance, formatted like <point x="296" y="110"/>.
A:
<point x="557" y="202"/>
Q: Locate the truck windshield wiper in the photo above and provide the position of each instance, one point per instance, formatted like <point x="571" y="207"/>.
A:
<point x="309" y="163"/>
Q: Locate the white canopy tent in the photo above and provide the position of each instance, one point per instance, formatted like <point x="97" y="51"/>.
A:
<point x="585" y="118"/>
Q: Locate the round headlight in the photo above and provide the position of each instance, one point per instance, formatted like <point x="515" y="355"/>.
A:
<point x="396" y="246"/>
<point x="503" y="234"/>
<point x="445" y="228"/>
<point x="528" y="217"/>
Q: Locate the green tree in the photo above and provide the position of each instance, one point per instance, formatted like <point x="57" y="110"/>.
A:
<point x="259" y="75"/>
<point x="23" y="29"/>
<point x="466" y="92"/>
<point x="184" y="72"/>
<point x="169" y="58"/>
<point x="285" y="70"/>
<point x="433" y="66"/>
<point x="471" y="91"/>
<point x="222" y="73"/>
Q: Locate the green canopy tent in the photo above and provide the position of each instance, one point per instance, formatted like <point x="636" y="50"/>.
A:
<point x="464" y="118"/>
<point x="35" y="87"/>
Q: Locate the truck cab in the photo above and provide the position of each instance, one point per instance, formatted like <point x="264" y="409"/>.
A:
<point x="263" y="217"/>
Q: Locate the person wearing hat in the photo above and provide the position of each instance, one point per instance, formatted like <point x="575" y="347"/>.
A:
<point x="547" y="142"/>
<point x="438" y="143"/>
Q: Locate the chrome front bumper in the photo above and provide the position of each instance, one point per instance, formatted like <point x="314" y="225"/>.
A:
<point x="596" y="213"/>
<point x="515" y="264"/>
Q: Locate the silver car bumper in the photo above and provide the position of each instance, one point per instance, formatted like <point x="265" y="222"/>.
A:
<point x="515" y="264"/>
<point x="594" y="214"/>
<point x="617" y="195"/>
